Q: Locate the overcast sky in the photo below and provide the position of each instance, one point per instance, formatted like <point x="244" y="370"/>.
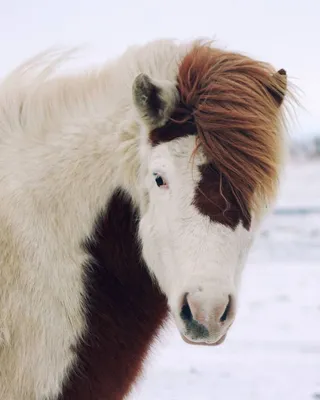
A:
<point x="285" y="33"/>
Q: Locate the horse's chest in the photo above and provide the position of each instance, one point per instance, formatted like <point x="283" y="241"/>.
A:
<point x="81" y="330"/>
<point x="123" y="311"/>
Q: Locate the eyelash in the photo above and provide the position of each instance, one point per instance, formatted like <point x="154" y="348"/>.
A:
<point x="160" y="181"/>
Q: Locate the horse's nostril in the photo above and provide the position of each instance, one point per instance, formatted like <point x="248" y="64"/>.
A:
<point x="186" y="313"/>
<point x="227" y="310"/>
<point x="195" y="329"/>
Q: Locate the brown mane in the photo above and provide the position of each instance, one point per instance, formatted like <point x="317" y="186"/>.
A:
<point x="232" y="103"/>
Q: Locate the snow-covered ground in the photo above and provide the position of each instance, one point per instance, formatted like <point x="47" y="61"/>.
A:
<point x="273" y="349"/>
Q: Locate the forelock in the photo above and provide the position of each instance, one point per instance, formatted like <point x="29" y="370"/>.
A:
<point x="231" y="104"/>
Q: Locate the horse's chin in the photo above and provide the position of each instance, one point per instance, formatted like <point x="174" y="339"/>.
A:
<point x="199" y="343"/>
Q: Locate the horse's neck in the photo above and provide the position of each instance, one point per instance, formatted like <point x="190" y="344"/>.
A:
<point x="76" y="138"/>
<point x="74" y="142"/>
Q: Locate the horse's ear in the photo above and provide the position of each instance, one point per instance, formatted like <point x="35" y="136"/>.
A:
<point x="154" y="100"/>
<point x="278" y="87"/>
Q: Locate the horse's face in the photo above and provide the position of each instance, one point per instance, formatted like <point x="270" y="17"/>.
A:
<point x="196" y="227"/>
<point x="195" y="252"/>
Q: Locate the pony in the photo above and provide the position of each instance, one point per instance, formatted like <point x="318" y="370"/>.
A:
<point x="128" y="192"/>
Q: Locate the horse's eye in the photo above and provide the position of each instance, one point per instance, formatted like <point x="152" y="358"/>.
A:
<point x="159" y="180"/>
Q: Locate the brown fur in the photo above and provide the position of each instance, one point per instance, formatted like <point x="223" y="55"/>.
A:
<point x="124" y="310"/>
<point x="215" y="198"/>
<point x="232" y="103"/>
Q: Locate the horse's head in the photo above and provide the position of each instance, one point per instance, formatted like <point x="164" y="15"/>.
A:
<point x="210" y="159"/>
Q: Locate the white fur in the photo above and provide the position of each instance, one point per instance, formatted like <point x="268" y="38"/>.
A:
<point x="183" y="248"/>
<point x="65" y="143"/>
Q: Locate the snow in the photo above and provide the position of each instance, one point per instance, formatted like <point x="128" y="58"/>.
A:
<point x="273" y="349"/>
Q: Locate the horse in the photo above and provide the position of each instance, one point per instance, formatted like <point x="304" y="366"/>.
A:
<point x="129" y="193"/>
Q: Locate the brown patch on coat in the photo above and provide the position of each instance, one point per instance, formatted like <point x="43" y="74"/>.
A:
<point x="231" y="103"/>
<point x="214" y="197"/>
<point x="124" y="310"/>
<point x="179" y="125"/>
